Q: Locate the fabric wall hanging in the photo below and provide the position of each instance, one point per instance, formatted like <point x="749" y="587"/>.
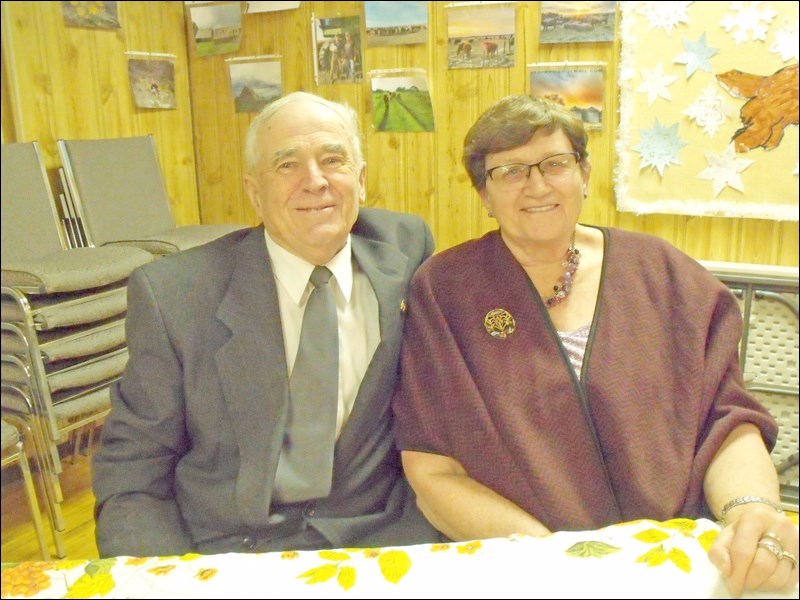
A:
<point x="709" y="109"/>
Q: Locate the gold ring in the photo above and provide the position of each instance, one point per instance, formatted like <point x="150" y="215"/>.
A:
<point x="776" y="550"/>
<point x="768" y="535"/>
<point x="790" y="557"/>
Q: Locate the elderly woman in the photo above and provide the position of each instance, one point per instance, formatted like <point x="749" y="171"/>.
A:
<point x="559" y="376"/>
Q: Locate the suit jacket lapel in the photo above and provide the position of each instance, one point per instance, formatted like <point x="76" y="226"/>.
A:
<point x="385" y="267"/>
<point x="253" y="374"/>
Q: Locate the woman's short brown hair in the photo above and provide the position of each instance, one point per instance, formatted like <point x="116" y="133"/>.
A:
<point x="512" y="122"/>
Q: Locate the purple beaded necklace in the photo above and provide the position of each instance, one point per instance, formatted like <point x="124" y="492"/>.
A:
<point x="562" y="289"/>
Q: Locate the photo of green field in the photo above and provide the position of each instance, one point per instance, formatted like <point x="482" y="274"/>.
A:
<point x="401" y="104"/>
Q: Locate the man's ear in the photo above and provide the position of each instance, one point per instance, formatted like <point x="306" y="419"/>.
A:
<point x="252" y="189"/>
<point x="362" y="181"/>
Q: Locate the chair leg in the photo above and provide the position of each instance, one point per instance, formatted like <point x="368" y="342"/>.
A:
<point x="33" y="503"/>
<point x="90" y="438"/>
<point x="76" y="437"/>
<point x="48" y="470"/>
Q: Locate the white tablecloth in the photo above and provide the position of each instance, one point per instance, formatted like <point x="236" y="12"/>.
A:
<point x="642" y="559"/>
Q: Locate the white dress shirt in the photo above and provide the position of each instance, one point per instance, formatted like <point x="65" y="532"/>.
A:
<point x="356" y="308"/>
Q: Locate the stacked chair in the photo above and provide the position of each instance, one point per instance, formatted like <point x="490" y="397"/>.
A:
<point x="16" y="436"/>
<point x="768" y="297"/>
<point x="118" y="192"/>
<point x="63" y="310"/>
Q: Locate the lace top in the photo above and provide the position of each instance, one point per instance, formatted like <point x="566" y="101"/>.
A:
<point x="574" y="343"/>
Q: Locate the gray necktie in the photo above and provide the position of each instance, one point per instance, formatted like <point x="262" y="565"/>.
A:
<point x="305" y="466"/>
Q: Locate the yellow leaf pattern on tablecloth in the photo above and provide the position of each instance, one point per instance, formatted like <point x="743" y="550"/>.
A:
<point x="206" y="574"/>
<point x="372" y="553"/>
<point x="101" y="566"/>
<point x="469" y="547"/>
<point x="684" y="525"/>
<point x="162" y="570"/>
<point x="653" y="557"/>
<point x="319" y="574"/>
<point x="440" y="547"/>
<point x="680" y="559"/>
<point x="290" y="555"/>
<point x="651" y="536"/>
<point x="132" y="562"/>
<point x="66" y="565"/>
<point x="333" y="555"/>
<point x="707" y="538"/>
<point x="87" y="586"/>
<point x="24" y="579"/>
<point x="190" y="556"/>
<point x="394" y="564"/>
<point x="591" y="548"/>
<point x="346" y="577"/>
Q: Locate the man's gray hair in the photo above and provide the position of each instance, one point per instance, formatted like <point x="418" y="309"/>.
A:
<point x="348" y="116"/>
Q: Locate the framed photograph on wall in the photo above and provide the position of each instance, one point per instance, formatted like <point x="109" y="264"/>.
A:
<point x="401" y="100"/>
<point x="480" y="37"/>
<point x="152" y="79"/>
<point x="577" y="22"/>
<point x="255" y="81"/>
<point x="94" y="15"/>
<point x="216" y="27"/>
<point x="337" y="50"/>
<point x="580" y="86"/>
<point x="396" y="23"/>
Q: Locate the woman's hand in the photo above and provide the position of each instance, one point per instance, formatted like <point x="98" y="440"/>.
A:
<point x="757" y="549"/>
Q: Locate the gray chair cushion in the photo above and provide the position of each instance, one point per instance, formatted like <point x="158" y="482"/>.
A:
<point x="79" y="374"/>
<point x="62" y="310"/>
<point x="177" y="239"/>
<point x="73" y="270"/>
<point x="65" y="342"/>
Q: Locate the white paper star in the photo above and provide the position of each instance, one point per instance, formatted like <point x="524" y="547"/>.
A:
<point x="659" y="146"/>
<point x="655" y="84"/>
<point x="723" y="169"/>
<point x="709" y="110"/>
<point x="748" y="18"/>
<point x="697" y="55"/>
<point x="786" y="42"/>
<point x="664" y="15"/>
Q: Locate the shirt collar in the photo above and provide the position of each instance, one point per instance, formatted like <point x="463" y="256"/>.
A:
<point x="293" y="272"/>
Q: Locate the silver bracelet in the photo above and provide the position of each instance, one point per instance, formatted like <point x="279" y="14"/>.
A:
<point x="748" y="500"/>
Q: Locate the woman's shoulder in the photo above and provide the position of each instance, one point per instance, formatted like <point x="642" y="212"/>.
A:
<point x="656" y="256"/>
<point x="463" y="255"/>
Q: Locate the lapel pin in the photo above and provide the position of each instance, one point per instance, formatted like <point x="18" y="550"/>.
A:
<point x="499" y="323"/>
<point x="403" y="306"/>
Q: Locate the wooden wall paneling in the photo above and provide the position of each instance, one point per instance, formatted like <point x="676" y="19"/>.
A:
<point x="172" y="129"/>
<point x="72" y="83"/>
<point x="400" y="165"/>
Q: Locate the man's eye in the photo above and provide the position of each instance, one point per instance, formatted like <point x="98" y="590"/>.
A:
<point x="333" y="160"/>
<point x="514" y="170"/>
<point x="287" y="166"/>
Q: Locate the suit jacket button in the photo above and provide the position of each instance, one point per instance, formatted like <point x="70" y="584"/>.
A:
<point x="248" y="543"/>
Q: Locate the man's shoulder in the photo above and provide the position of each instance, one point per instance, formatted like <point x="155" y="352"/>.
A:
<point x="382" y="224"/>
<point x="215" y="255"/>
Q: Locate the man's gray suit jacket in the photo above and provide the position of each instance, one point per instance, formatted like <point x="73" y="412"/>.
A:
<point x="190" y="449"/>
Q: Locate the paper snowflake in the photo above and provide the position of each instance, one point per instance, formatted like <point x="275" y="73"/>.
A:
<point x="659" y="146"/>
<point x="697" y="55"/>
<point x="709" y="110"/>
<point x="748" y="17"/>
<point x="664" y="15"/>
<point x="723" y="169"/>
<point x="786" y="42"/>
<point x="655" y="83"/>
